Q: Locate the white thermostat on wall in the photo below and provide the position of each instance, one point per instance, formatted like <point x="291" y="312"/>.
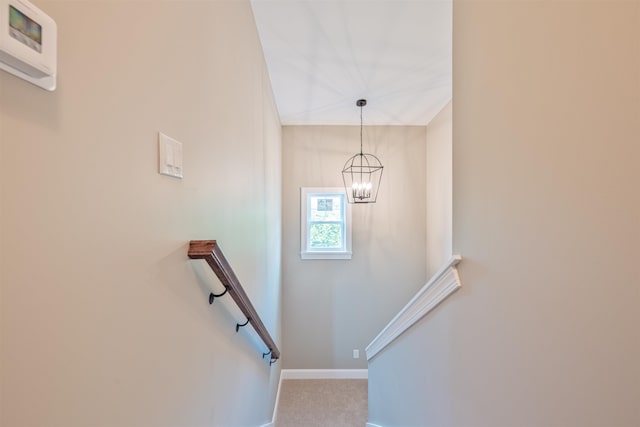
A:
<point x="28" y="43"/>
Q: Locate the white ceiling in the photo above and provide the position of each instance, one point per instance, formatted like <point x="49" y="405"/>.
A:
<point x="323" y="55"/>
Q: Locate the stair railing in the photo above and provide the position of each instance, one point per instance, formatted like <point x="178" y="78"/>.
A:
<point x="212" y="254"/>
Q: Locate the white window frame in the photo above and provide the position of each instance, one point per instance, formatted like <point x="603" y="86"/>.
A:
<point x="305" y="253"/>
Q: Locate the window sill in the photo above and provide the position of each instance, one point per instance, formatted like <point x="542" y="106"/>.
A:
<point x="325" y="255"/>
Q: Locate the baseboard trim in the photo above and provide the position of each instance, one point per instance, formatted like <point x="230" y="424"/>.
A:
<point x="373" y="425"/>
<point x="275" y="409"/>
<point x="319" y="374"/>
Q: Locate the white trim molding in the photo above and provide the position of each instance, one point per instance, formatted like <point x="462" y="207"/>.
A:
<point x="277" y="403"/>
<point x="438" y="288"/>
<point x="322" y="374"/>
<point x="305" y="219"/>
<point x="372" y="425"/>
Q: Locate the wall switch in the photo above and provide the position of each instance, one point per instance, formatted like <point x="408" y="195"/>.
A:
<point x="356" y="354"/>
<point x="170" y="156"/>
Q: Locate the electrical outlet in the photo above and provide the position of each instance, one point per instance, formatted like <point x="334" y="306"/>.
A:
<point x="356" y="354"/>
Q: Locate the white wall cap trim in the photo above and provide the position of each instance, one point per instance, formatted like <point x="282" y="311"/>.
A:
<point x="316" y="374"/>
<point x="438" y="288"/>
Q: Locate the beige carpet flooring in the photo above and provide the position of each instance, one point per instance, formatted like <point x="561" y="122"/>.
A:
<point x="322" y="403"/>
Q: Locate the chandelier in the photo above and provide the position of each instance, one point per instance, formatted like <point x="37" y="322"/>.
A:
<point x="362" y="173"/>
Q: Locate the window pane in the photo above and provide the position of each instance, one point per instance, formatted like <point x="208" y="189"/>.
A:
<point x="325" y="236"/>
<point x="326" y="208"/>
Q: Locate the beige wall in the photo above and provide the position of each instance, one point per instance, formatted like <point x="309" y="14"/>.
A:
<point x="331" y="307"/>
<point x="104" y="320"/>
<point x="439" y="190"/>
<point x="544" y="331"/>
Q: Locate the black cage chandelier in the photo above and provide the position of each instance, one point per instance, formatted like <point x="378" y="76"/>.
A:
<point x="362" y="173"/>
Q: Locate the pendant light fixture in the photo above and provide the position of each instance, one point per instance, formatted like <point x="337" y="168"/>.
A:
<point x="362" y="173"/>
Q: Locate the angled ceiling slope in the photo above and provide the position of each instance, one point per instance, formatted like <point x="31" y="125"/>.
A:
<point x="324" y="55"/>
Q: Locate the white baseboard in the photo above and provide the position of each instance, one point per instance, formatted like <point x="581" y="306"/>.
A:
<point x="373" y="425"/>
<point x="275" y="409"/>
<point x="320" y="374"/>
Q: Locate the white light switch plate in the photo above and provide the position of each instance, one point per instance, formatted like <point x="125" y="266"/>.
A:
<point x="170" y="156"/>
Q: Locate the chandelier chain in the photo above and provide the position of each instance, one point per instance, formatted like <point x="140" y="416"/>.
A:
<point x="361" y="129"/>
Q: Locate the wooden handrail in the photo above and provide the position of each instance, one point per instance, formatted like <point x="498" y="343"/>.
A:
<point x="211" y="252"/>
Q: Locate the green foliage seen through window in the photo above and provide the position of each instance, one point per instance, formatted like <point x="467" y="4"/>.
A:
<point x="327" y="236"/>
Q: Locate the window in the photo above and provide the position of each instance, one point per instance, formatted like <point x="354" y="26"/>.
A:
<point x="325" y="224"/>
